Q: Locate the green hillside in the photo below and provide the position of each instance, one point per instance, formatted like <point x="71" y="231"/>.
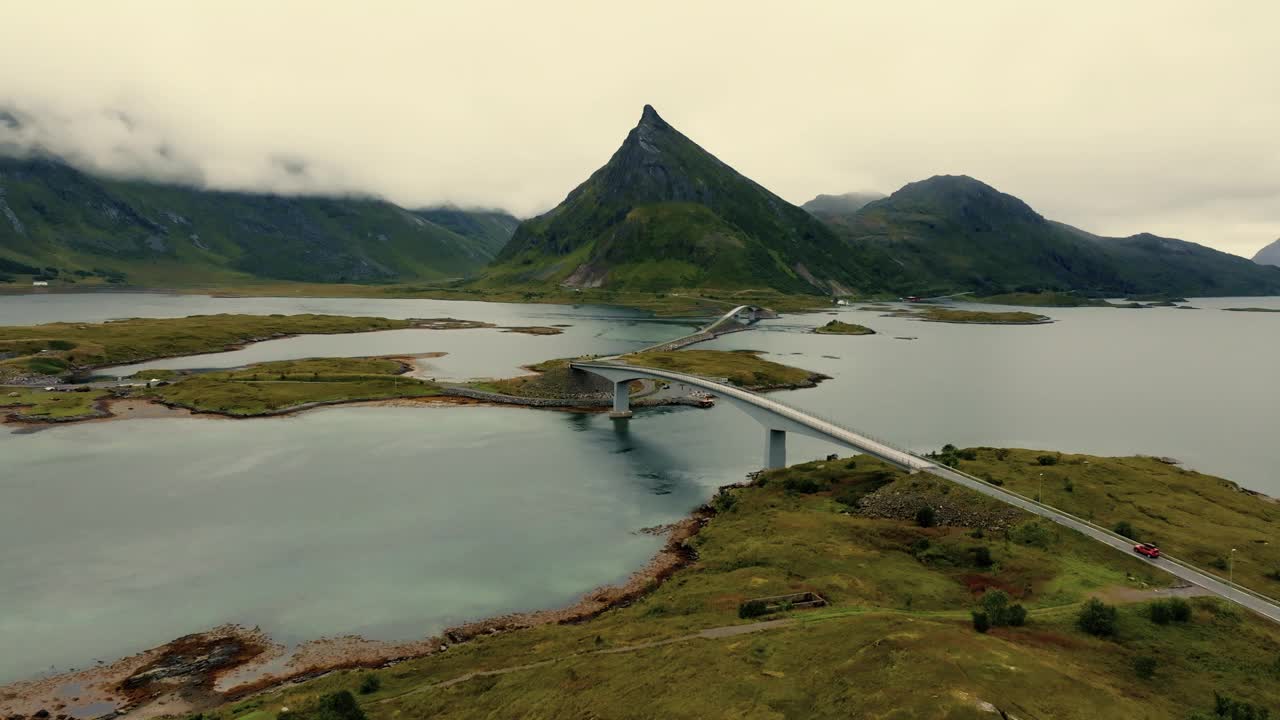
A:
<point x="491" y="229"/>
<point x="664" y="213"/>
<point x="956" y="233"/>
<point x="53" y="216"/>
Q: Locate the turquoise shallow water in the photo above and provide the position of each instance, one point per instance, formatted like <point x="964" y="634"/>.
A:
<point x="394" y="522"/>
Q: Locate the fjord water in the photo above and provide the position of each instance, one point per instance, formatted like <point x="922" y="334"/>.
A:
<point x="394" y="522"/>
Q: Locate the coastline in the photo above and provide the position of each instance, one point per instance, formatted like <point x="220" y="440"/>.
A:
<point x="232" y="662"/>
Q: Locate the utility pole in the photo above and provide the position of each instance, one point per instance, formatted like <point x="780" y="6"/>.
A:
<point x="1231" y="577"/>
<point x="1040" y="492"/>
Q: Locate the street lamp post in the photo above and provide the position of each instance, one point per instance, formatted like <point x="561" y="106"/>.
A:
<point x="1231" y="568"/>
<point x="1040" y="491"/>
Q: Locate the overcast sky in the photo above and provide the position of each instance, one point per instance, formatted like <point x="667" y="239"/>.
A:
<point x="1117" y="116"/>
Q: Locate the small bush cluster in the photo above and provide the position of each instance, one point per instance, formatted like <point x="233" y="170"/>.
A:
<point x="1097" y="618"/>
<point x="340" y="705"/>
<point x="752" y="609"/>
<point x="981" y="622"/>
<point x="1144" y="666"/>
<point x="802" y="485"/>
<point x="1033" y="532"/>
<point x="724" y="501"/>
<point x="982" y="556"/>
<point x="1163" y="612"/>
<point x="371" y="684"/>
<point x="1048" y="459"/>
<point x="926" y="517"/>
<point x="1125" y="528"/>
<point x="999" y="611"/>
<point x="1227" y="707"/>
<point x="951" y="456"/>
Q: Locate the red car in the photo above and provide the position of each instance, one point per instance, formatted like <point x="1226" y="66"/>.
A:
<point x="1147" y="549"/>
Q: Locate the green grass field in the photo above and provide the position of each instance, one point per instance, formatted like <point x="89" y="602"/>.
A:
<point x="895" y="642"/>
<point x="36" y="402"/>
<point x="276" y="386"/>
<point x="1198" y="518"/>
<point x="61" y="348"/>
<point x="742" y="368"/>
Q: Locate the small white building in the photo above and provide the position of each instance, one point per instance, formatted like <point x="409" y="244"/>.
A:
<point x="39" y="283"/>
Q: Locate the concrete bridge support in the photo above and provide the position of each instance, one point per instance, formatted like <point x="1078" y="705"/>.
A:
<point x="621" y="400"/>
<point x="775" y="449"/>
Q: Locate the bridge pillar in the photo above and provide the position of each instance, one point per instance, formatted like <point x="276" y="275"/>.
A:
<point x="621" y="400"/>
<point x="775" y="449"/>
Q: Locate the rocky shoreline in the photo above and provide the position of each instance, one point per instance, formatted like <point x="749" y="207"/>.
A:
<point x="231" y="662"/>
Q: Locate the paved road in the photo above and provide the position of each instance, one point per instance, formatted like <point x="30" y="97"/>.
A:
<point x="1266" y="607"/>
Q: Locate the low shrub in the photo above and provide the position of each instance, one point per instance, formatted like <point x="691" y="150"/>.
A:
<point x="1033" y="532"/>
<point x="1159" y="613"/>
<point x="802" y="485"/>
<point x="999" y="612"/>
<point x="371" y="684"/>
<point x="1097" y="618"/>
<point x="1226" y="707"/>
<point x="724" y="501"/>
<point x="982" y="556"/>
<point x="981" y="622"/>
<point x="752" y="609"/>
<point x="1144" y="666"/>
<point x="926" y="517"/>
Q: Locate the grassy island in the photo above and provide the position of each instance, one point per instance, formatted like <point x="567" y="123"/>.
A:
<point x="976" y="317"/>
<point x="61" y="349"/>
<point x="836" y="327"/>
<point x="744" y="368"/>
<point x="549" y="379"/>
<point x="903" y="587"/>
<point x="276" y="387"/>
<point x="1042" y="299"/>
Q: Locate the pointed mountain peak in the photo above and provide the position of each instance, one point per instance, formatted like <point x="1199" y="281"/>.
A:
<point x="651" y="118"/>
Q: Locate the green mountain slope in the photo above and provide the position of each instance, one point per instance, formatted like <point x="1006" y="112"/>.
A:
<point x="1269" y="255"/>
<point x="956" y="233"/>
<point x="664" y="213"/>
<point x="54" y="216"/>
<point x="840" y="205"/>
<point x="491" y="229"/>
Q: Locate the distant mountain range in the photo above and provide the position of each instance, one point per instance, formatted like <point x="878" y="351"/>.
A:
<point x="839" y="205"/>
<point x="1269" y="255"/>
<point x="60" y="221"/>
<point x="662" y="213"/>
<point x="956" y="233"/>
